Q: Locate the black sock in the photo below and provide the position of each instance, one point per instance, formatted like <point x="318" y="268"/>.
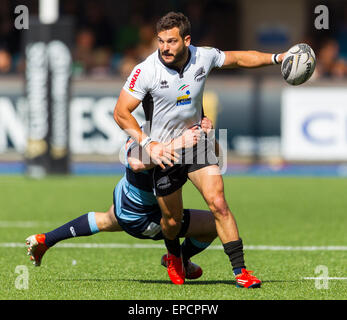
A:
<point x="191" y="247"/>
<point x="82" y="226"/>
<point x="234" y="250"/>
<point x="173" y="246"/>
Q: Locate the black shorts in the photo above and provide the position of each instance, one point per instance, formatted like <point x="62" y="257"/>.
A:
<point x="148" y="226"/>
<point x="170" y="179"/>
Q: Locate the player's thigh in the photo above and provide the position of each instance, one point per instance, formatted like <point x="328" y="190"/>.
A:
<point x="209" y="182"/>
<point x="106" y="221"/>
<point x="171" y="205"/>
<point x="202" y="224"/>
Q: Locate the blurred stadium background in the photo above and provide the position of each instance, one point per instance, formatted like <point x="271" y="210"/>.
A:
<point x="273" y="128"/>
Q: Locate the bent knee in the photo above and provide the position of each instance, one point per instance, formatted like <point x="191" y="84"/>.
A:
<point x="170" y="227"/>
<point x="172" y="223"/>
<point x="218" y="205"/>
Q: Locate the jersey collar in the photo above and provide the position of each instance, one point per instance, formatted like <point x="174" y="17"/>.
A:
<point x="180" y="71"/>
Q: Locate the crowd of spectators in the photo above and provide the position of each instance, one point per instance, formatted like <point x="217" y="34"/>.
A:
<point x="104" y="47"/>
<point x="332" y="50"/>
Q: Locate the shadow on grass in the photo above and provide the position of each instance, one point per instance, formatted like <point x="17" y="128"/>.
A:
<point x="80" y="279"/>
<point x="206" y="282"/>
<point x="188" y="282"/>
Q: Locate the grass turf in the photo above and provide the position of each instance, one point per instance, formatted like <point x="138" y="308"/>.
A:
<point x="269" y="211"/>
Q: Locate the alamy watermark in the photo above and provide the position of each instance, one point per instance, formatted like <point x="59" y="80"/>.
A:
<point x="22" y="281"/>
<point x="322" y="281"/>
<point x="207" y="150"/>
<point x="322" y="19"/>
<point x="22" y="17"/>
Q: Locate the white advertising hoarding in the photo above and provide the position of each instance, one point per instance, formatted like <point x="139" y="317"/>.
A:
<point x="92" y="128"/>
<point x="314" y="124"/>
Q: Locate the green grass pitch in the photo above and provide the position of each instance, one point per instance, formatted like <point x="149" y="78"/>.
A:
<point x="290" y="212"/>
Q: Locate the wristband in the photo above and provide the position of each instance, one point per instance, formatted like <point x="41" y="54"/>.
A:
<point x="145" y="142"/>
<point x="274" y="58"/>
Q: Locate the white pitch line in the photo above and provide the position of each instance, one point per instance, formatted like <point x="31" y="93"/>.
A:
<point x="23" y="224"/>
<point x="297" y="248"/>
<point x="160" y="246"/>
<point x="325" y="278"/>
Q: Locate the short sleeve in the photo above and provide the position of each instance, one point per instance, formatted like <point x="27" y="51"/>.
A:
<point x="218" y="59"/>
<point x="137" y="83"/>
<point x="212" y="57"/>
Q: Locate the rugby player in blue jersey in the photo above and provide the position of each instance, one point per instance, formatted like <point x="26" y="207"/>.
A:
<point x="136" y="211"/>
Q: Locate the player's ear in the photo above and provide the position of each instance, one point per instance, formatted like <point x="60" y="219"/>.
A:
<point x="187" y="40"/>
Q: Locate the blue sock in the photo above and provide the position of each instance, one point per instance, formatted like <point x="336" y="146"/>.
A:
<point x="82" y="226"/>
<point x="237" y="271"/>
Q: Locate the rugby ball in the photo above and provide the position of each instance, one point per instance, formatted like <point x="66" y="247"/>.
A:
<point x="298" y="64"/>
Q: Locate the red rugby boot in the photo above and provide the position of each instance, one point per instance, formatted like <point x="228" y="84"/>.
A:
<point x="36" y="248"/>
<point x="246" y="280"/>
<point x="193" y="271"/>
<point x="175" y="268"/>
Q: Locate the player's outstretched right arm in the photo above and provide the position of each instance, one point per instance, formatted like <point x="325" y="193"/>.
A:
<point x="250" y="59"/>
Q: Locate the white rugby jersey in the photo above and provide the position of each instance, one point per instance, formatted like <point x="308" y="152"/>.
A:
<point x="172" y="99"/>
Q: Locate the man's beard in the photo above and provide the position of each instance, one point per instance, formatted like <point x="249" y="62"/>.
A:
<point x="178" y="57"/>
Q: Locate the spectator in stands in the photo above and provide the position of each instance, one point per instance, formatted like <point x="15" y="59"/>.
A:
<point x="101" y="62"/>
<point x="147" y="41"/>
<point x="126" y="41"/>
<point x="83" y="51"/>
<point x="195" y="13"/>
<point x="5" y="61"/>
<point x="329" y="63"/>
<point x="341" y="35"/>
<point x="127" y="63"/>
<point x="96" y="20"/>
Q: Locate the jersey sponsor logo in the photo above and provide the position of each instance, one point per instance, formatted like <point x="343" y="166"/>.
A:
<point x="183" y="100"/>
<point x="164" y="84"/>
<point x="133" y="80"/>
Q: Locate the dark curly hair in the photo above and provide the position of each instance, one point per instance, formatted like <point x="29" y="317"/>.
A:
<point x="174" y="19"/>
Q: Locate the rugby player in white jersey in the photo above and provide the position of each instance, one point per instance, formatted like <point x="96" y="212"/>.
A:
<point x="170" y="84"/>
